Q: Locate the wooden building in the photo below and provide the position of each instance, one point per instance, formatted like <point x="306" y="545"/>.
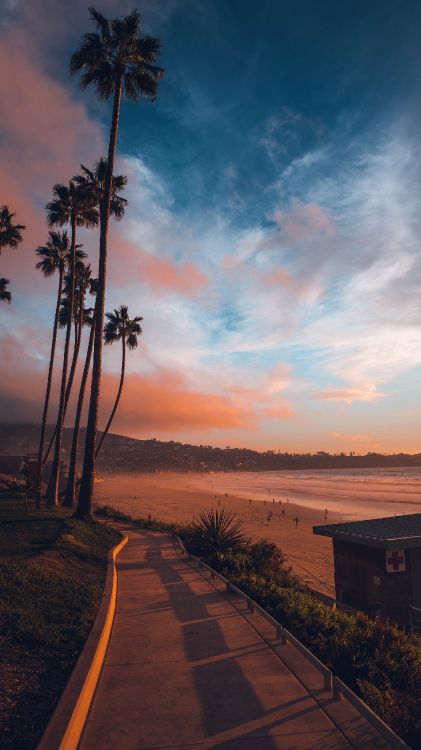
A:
<point x="378" y="566"/>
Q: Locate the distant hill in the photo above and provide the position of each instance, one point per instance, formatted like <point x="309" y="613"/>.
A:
<point x="124" y="454"/>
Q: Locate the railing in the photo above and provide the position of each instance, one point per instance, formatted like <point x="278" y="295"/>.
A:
<point x="415" y="618"/>
<point x="330" y="681"/>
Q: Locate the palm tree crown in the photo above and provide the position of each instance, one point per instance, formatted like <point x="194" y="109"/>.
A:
<point x="10" y="234"/>
<point x="54" y="254"/>
<point x="117" y="54"/>
<point x="68" y="200"/>
<point x="82" y="285"/>
<point x="5" y="295"/>
<point x="93" y="182"/>
<point x="119" y="325"/>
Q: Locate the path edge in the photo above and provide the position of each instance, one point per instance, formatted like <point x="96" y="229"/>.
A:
<point x="65" y="727"/>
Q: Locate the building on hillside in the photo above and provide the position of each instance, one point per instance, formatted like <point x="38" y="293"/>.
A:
<point x="378" y="566"/>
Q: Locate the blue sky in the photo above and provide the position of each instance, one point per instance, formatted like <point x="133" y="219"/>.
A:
<point x="272" y="236"/>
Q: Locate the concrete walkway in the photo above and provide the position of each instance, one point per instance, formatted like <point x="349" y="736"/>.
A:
<point x="188" y="667"/>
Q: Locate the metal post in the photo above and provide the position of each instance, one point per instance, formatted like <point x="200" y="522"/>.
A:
<point x="250" y="605"/>
<point x="337" y="695"/>
<point x="327" y="680"/>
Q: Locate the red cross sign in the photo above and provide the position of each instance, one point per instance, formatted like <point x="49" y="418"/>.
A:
<point x="395" y="560"/>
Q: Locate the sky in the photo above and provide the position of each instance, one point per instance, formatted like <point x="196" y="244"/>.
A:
<point x="271" y="240"/>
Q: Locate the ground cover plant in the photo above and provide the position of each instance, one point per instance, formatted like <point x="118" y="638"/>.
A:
<point x="52" y="572"/>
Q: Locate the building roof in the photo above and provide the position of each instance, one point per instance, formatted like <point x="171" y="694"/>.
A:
<point x="395" y="532"/>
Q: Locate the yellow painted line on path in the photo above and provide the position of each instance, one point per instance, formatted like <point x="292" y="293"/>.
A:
<point x="75" y="726"/>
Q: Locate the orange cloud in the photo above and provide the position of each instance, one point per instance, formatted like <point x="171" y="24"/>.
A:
<point x="279" y="411"/>
<point x="162" y="402"/>
<point x="362" y="442"/>
<point x="45" y="135"/>
<point x="304" y="221"/>
<point x="263" y="398"/>
<point x="162" y="273"/>
<point x="281" y="277"/>
<point x="348" y="395"/>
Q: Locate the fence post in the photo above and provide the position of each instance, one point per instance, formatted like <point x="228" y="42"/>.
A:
<point x="337" y="695"/>
<point x="250" y="605"/>
<point x="228" y="588"/>
<point x="328" y="680"/>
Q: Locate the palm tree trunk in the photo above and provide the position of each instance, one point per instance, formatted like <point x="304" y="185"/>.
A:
<point x="78" y="336"/>
<point x="55" y="470"/>
<point x="123" y="368"/>
<point x="85" y="500"/>
<point x="69" y="500"/>
<point x="48" y="390"/>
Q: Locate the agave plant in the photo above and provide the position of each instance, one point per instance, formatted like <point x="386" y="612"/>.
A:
<point x="217" y="531"/>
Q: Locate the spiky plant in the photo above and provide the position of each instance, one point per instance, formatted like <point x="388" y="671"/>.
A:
<point x="217" y="531"/>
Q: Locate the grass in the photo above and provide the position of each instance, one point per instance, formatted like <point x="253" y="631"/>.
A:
<point x="52" y="572"/>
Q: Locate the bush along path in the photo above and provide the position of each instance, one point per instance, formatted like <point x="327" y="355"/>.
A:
<point x="52" y="573"/>
<point x="377" y="660"/>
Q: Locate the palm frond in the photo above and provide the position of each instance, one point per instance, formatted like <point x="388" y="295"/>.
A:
<point x="10" y="233"/>
<point x="5" y="295"/>
<point x="54" y="254"/>
<point x="102" y="24"/>
<point x="132" y="341"/>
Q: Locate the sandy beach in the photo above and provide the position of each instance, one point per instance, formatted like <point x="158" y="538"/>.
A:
<point x="267" y="502"/>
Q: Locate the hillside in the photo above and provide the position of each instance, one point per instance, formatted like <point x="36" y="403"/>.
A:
<point x="124" y="454"/>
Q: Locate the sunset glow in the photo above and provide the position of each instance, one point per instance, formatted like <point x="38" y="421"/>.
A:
<point x="272" y="234"/>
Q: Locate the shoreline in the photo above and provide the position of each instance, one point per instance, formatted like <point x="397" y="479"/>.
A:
<point x="175" y="496"/>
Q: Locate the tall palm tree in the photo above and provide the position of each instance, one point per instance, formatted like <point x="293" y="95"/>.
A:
<point x="5" y="295"/>
<point x="120" y="328"/>
<point x="83" y="276"/>
<point x="10" y="234"/>
<point x="117" y="58"/>
<point x="70" y="205"/>
<point x="69" y="500"/>
<point x="82" y="280"/>
<point x="53" y="256"/>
